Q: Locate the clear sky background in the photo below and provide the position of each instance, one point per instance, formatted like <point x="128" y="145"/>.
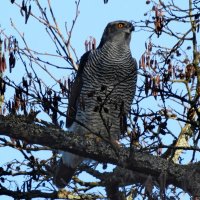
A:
<point x="94" y="16"/>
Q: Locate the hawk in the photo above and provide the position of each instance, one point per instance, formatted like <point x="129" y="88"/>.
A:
<point x="101" y="94"/>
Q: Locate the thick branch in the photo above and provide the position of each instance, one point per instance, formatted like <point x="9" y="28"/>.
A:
<point x="186" y="177"/>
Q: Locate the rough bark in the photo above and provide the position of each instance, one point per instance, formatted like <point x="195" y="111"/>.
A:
<point x="186" y="177"/>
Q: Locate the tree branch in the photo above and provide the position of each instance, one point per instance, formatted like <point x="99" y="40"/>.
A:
<point x="186" y="177"/>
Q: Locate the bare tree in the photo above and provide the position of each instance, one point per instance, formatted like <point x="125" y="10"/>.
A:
<point x="156" y="160"/>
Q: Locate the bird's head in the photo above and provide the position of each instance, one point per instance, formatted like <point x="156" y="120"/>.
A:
<point x="118" y="32"/>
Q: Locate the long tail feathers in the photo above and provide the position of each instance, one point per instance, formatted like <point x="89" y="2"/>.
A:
<point x="63" y="174"/>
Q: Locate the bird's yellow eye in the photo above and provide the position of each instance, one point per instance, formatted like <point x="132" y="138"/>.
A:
<point x="120" y="25"/>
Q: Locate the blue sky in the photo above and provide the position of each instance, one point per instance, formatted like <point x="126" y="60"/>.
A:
<point x="93" y="17"/>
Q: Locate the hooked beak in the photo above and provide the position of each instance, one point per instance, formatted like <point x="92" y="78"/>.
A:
<point x="130" y="28"/>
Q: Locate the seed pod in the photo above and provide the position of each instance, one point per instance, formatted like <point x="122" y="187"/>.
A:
<point x="17" y="103"/>
<point x="188" y="71"/>
<point x="11" y="61"/>
<point x="86" y="46"/>
<point x="64" y="86"/>
<point x="22" y="104"/>
<point x="1" y="45"/>
<point x="5" y="45"/>
<point x="147" y="86"/>
<point x="157" y="80"/>
<point x="9" y="106"/>
<point x="55" y="104"/>
<point x="25" y="83"/>
<point x="166" y="77"/>
<point x="154" y="88"/>
<point x="15" y="45"/>
<point x="3" y="64"/>
<point x="142" y="61"/>
<point x="90" y="44"/>
<point x="191" y="113"/>
<point x="2" y="87"/>
<point x="148" y="61"/>
<point x="150" y="46"/>
<point x="13" y="108"/>
<point x="93" y="44"/>
<point x="158" y="23"/>
<point x="170" y="69"/>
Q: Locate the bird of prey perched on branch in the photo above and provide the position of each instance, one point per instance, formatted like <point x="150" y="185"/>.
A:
<point x="101" y="94"/>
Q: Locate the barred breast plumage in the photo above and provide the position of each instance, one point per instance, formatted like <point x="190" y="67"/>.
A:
<point x="102" y="92"/>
